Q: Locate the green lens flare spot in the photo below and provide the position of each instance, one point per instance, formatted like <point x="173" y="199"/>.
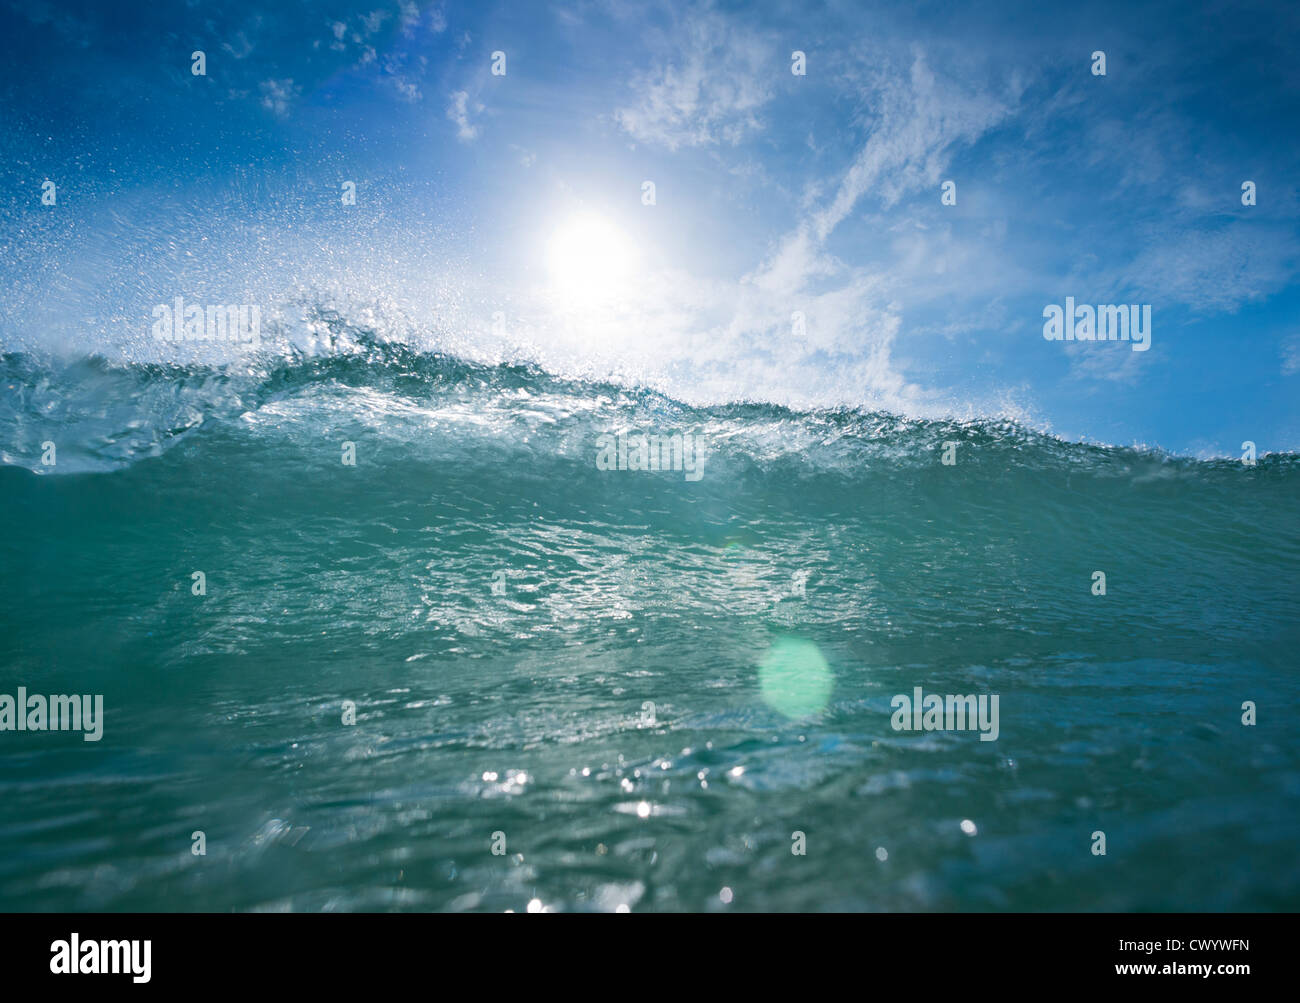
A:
<point x="794" y="678"/>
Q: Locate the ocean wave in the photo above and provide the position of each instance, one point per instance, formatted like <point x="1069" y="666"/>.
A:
<point x="104" y="414"/>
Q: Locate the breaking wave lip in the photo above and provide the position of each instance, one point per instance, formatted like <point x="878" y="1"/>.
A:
<point x="107" y="414"/>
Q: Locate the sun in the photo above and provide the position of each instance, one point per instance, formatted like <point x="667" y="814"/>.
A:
<point x="590" y="261"/>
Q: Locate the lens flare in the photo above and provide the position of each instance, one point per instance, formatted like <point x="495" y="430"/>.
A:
<point x="794" y="678"/>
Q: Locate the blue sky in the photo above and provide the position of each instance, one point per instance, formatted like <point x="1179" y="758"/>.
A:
<point x="775" y="193"/>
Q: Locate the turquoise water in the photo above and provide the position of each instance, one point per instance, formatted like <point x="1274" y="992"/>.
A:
<point x="526" y="713"/>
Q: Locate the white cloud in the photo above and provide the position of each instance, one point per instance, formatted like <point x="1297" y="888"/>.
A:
<point x="407" y="88"/>
<point x="852" y="312"/>
<point x="409" y="13"/>
<point x="740" y="335"/>
<point x="458" y="111"/>
<point x="709" y="93"/>
<point x="1213" y="271"/>
<point x="919" y="121"/>
<point x="278" y="94"/>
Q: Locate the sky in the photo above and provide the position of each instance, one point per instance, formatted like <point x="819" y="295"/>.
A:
<point x="797" y="249"/>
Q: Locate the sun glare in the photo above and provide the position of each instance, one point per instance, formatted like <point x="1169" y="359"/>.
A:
<point x="590" y="260"/>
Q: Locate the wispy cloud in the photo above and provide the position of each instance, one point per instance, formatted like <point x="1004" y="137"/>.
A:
<point x="707" y="92"/>
<point x="1291" y="355"/>
<point x="919" y="120"/>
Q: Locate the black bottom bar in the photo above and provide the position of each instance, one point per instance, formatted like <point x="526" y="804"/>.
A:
<point x="372" y="951"/>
